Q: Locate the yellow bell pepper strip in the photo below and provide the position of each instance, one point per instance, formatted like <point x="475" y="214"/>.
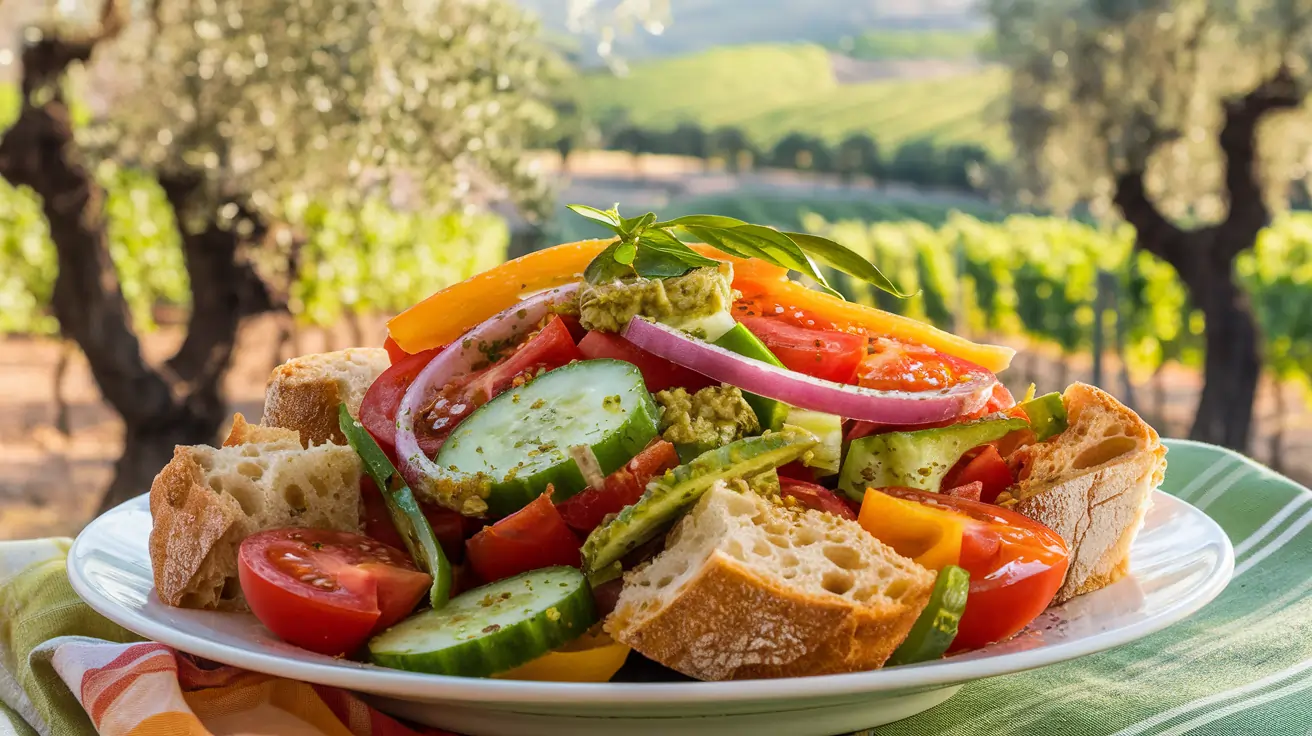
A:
<point x="757" y="279"/>
<point x="593" y="657"/>
<point x="930" y="536"/>
<point x="448" y="314"/>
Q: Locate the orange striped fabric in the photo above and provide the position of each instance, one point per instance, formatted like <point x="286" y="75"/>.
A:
<point x="148" y="689"/>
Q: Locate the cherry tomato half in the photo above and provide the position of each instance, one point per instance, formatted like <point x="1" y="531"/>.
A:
<point x="531" y="538"/>
<point x="984" y="466"/>
<point x="658" y="373"/>
<point x="815" y="497"/>
<point x="826" y="354"/>
<point x="327" y="591"/>
<point x="584" y="511"/>
<point x="1016" y="566"/>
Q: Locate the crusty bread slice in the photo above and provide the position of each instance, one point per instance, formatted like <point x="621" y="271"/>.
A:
<point x="303" y="393"/>
<point x="207" y="500"/>
<point x="749" y="588"/>
<point x="1092" y="484"/>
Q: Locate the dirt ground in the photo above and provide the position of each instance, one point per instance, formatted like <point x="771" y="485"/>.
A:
<point x="49" y="482"/>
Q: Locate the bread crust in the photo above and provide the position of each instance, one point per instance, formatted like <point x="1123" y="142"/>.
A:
<point x="189" y="520"/>
<point x="303" y="394"/>
<point x="732" y="624"/>
<point x="1093" y="485"/>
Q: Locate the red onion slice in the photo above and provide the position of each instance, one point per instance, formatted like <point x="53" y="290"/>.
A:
<point x="441" y="485"/>
<point x="798" y="389"/>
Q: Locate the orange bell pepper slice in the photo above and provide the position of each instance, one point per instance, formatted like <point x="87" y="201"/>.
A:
<point x="445" y="316"/>
<point x="930" y="536"/>
<point x="754" y="281"/>
<point x="589" y="658"/>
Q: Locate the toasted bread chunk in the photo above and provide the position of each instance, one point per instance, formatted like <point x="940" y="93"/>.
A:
<point x="303" y="393"/>
<point x="1092" y="484"/>
<point x="748" y="588"/>
<point x="207" y="500"/>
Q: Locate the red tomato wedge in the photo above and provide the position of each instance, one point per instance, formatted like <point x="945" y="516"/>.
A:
<point x="826" y="354"/>
<point x="450" y="527"/>
<point x="378" y="408"/>
<point x="815" y="497"/>
<point x="1016" y="566"/>
<point x="531" y="538"/>
<point x="970" y="491"/>
<point x="984" y="466"/>
<point x="327" y="591"/>
<point x="394" y="351"/>
<point x="894" y="366"/>
<point x="550" y="348"/>
<point x="584" y="511"/>
<point x="658" y="373"/>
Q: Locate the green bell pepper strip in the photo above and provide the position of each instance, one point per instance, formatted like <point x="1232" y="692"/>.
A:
<point x="401" y="506"/>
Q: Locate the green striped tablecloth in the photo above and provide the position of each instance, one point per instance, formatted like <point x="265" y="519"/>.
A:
<point x="1243" y="665"/>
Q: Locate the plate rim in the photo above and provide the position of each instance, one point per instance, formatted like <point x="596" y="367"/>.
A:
<point x="405" y="685"/>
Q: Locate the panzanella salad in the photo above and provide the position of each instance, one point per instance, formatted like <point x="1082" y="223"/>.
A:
<point x="682" y="441"/>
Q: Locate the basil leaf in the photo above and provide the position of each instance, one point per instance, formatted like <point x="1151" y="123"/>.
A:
<point x="625" y="251"/>
<point x="700" y="221"/>
<point x="840" y="257"/>
<point x="781" y="249"/>
<point x="711" y="237"/>
<point x="610" y="219"/>
<point x="605" y="268"/>
<point x="636" y="225"/>
<point x="661" y="256"/>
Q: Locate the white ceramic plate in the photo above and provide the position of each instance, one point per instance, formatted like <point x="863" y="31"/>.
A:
<point x="1181" y="560"/>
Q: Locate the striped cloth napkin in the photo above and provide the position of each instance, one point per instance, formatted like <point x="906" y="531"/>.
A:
<point x="1243" y="665"/>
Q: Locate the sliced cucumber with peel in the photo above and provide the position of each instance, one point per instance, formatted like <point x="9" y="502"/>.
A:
<point x="523" y="437"/>
<point x="674" y="493"/>
<point x="493" y="628"/>
<point x="936" y="628"/>
<point x="827" y="456"/>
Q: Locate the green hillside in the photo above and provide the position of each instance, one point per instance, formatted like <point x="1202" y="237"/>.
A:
<point x="918" y="44"/>
<point x="772" y="90"/>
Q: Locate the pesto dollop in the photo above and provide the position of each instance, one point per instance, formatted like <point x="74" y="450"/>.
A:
<point x="714" y="416"/>
<point x="675" y="301"/>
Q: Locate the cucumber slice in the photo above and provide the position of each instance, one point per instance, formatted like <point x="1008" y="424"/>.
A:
<point x="828" y="428"/>
<point x="493" y="628"/>
<point x="739" y="339"/>
<point x="934" y="630"/>
<point x="404" y="510"/>
<point x="523" y="437"/>
<point x="669" y="496"/>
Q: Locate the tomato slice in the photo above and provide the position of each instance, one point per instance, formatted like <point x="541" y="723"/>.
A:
<point x="394" y="351"/>
<point x="816" y="497"/>
<point x="550" y="348"/>
<point x="970" y="491"/>
<point x="327" y="591"/>
<point x="585" y="511"/>
<point x="658" y="373"/>
<point x="378" y="408"/>
<point x="985" y="466"/>
<point x="1016" y="566"/>
<point x="450" y="527"/>
<point x="531" y="538"/>
<point x="826" y="354"/>
<point x="797" y="471"/>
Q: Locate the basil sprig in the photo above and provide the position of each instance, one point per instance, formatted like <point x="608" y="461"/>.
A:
<point x="653" y="249"/>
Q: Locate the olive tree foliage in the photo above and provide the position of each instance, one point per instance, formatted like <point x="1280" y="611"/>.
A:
<point x="1184" y="117"/>
<point x="430" y="100"/>
<point x="243" y="110"/>
<point x="1103" y="87"/>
